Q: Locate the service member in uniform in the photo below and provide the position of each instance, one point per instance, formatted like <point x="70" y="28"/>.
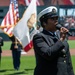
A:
<point x="16" y="48"/>
<point x="51" y="51"/>
<point x="1" y="44"/>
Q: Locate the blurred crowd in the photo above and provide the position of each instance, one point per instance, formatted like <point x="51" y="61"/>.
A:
<point x="68" y="22"/>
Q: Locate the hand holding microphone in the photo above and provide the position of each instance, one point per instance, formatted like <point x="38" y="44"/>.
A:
<point x="63" y="32"/>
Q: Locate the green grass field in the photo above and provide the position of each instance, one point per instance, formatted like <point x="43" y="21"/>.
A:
<point x="7" y="44"/>
<point x="71" y="43"/>
<point x="27" y="63"/>
<point x="26" y="67"/>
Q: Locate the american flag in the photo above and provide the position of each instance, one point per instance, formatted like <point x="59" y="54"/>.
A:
<point x="11" y="18"/>
<point x="16" y="11"/>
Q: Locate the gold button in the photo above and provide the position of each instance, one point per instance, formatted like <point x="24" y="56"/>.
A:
<point x="64" y="55"/>
<point x="64" y="61"/>
<point x="63" y="50"/>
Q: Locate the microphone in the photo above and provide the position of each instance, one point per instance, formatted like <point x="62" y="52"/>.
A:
<point x="59" y="26"/>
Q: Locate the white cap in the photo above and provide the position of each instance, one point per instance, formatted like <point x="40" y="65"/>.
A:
<point x="45" y="11"/>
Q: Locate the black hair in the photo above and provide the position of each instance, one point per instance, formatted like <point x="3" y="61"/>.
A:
<point x="43" y="20"/>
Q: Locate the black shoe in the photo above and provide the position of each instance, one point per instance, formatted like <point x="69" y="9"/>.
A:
<point x="17" y="68"/>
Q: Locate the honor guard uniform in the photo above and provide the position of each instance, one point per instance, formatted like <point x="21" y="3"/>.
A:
<point x="16" y="52"/>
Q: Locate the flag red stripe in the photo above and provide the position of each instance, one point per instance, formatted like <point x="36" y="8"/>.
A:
<point x="12" y="5"/>
<point x="28" y="47"/>
<point x="9" y="19"/>
<point x="5" y="20"/>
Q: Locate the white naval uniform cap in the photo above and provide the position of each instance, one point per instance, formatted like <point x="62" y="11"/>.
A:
<point x="47" y="10"/>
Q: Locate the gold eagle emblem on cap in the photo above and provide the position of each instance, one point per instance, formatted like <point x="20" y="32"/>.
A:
<point x="53" y="10"/>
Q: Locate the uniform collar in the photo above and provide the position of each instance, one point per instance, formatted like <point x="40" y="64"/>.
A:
<point x="49" y="32"/>
<point x="52" y="33"/>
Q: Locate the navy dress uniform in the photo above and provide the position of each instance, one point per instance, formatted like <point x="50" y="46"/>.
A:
<point x="1" y="44"/>
<point x="16" y="52"/>
<point x="52" y="55"/>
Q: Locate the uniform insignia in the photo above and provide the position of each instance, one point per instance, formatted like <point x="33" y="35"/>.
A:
<point x="53" y="10"/>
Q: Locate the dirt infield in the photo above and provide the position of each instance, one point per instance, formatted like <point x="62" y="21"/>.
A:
<point x="29" y="53"/>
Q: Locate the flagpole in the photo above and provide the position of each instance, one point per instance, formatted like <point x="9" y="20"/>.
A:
<point x="16" y="40"/>
<point x="0" y="59"/>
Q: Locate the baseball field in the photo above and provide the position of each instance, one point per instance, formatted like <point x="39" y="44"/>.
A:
<point x="27" y="60"/>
